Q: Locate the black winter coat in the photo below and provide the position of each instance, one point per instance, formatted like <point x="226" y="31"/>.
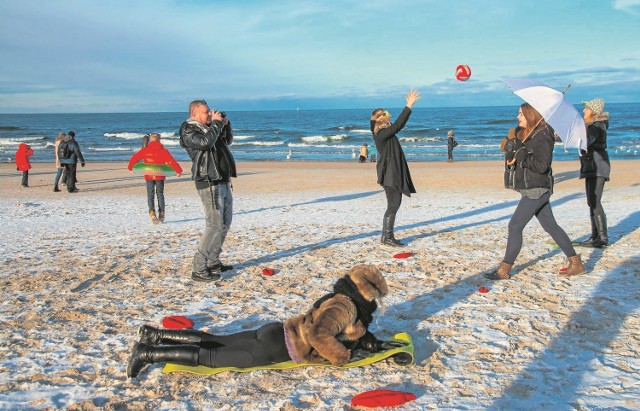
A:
<point x="595" y="161"/>
<point x="209" y="152"/>
<point x="533" y="160"/>
<point x="392" y="167"/>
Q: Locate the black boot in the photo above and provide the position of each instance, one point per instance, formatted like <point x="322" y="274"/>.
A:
<point x="589" y="241"/>
<point x="387" y="232"/>
<point x="603" y="237"/>
<point x="143" y="354"/>
<point x="150" y="335"/>
<point x="56" y="189"/>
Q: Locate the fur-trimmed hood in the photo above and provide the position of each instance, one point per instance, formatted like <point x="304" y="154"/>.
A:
<point x="604" y="116"/>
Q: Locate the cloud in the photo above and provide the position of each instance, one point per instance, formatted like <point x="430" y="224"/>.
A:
<point x="628" y="6"/>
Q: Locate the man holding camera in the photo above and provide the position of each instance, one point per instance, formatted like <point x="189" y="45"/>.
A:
<point x="206" y="136"/>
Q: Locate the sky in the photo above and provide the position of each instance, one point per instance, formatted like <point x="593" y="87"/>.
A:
<point x="158" y="55"/>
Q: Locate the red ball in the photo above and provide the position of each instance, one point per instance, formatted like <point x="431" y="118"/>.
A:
<point x="463" y="72"/>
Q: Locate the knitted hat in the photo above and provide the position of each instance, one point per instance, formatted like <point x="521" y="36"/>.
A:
<point x="369" y="281"/>
<point x="596" y="105"/>
<point x="450" y="133"/>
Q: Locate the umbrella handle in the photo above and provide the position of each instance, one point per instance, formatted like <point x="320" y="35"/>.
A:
<point x="532" y="130"/>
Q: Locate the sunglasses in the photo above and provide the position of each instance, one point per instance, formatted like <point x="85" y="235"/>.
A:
<point x="203" y="102"/>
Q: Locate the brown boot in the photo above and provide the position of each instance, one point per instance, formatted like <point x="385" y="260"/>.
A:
<point x="575" y="267"/>
<point x="154" y="219"/>
<point x="161" y="216"/>
<point x="500" y="273"/>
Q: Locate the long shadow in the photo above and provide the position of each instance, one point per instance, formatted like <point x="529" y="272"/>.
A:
<point x="565" y="363"/>
<point x="566" y="176"/>
<point x="319" y="200"/>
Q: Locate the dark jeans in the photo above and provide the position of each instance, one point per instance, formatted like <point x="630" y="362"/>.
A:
<point x="594" y="187"/>
<point x="449" y="153"/>
<point x="155" y="188"/>
<point x="541" y="208"/>
<point x="394" y="199"/>
<point x="71" y="176"/>
<point x="25" y="178"/>
<point x="245" y="349"/>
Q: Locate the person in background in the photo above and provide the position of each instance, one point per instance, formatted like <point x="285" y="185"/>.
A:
<point x="364" y="153"/>
<point x="534" y="181"/>
<point x="206" y="136"/>
<point x="145" y="140"/>
<point x="59" y="168"/>
<point x="595" y="169"/>
<point x="155" y="153"/>
<point x="509" y="146"/>
<point x="451" y="144"/>
<point x="335" y="329"/>
<point x="392" y="168"/>
<point x="69" y="153"/>
<point x="22" y="162"/>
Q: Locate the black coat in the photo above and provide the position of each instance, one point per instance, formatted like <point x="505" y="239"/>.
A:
<point x="533" y="160"/>
<point x="595" y="161"/>
<point x="392" y="167"/>
<point x="207" y="149"/>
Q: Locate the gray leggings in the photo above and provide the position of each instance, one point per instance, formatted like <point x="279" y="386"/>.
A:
<point x="541" y="208"/>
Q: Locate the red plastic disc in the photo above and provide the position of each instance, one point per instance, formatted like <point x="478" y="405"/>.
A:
<point x="382" y="398"/>
<point x="483" y="290"/>
<point x="177" y="322"/>
<point x="268" y="272"/>
<point x="403" y="255"/>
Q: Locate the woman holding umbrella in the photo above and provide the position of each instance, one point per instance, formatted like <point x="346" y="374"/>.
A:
<point x="534" y="181"/>
<point x="595" y="169"/>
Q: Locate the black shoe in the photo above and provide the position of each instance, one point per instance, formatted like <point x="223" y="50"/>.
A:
<point x="56" y="189"/>
<point x="220" y="268"/>
<point x="391" y="241"/>
<point x="204" y="276"/>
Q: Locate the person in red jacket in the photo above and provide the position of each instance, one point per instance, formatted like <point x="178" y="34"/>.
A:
<point x="22" y="162"/>
<point x="156" y="154"/>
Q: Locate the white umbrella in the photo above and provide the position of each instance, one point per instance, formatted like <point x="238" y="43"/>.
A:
<point x="555" y="108"/>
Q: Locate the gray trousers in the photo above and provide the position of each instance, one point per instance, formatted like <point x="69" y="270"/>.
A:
<point x="218" y="212"/>
<point x="155" y="188"/>
<point x="541" y="208"/>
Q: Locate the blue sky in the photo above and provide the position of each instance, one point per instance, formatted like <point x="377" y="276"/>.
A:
<point x="154" y="55"/>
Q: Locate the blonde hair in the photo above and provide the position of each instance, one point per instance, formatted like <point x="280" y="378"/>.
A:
<point x="60" y="136"/>
<point x="379" y="120"/>
<point x="154" y="137"/>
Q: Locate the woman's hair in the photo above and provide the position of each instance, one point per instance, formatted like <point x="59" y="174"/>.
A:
<point x="378" y="118"/>
<point x="534" y="119"/>
<point x="60" y="136"/>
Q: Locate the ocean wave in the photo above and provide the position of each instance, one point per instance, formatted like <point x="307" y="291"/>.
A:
<point x="307" y="145"/>
<point x="168" y="134"/>
<point x="259" y="143"/>
<point x="126" y="135"/>
<point x="419" y="139"/>
<point x="9" y="128"/>
<point x="318" y="139"/>
<point x="16" y="141"/>
<point x="242" y="137"/>
<point x="360" y="131"/>
<point x="110" y="149"/>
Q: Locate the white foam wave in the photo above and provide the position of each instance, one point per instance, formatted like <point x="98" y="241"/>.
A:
<point x="319" y="139"/>
<point x="16" y="141"/>
<point x="125" y="135"/>
<point x="361" y="131"/>
<point x="242" y="137"/>
<point x="111" y="149"/>
<point x="418" y="139"/>
<point x="259" y="143"/>
<point x="302" y="145"/>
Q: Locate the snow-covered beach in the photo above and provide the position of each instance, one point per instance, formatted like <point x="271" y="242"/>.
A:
<point x="80" y="272"/>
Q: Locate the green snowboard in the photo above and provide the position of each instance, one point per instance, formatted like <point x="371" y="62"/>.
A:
<point x="400" y="355"/>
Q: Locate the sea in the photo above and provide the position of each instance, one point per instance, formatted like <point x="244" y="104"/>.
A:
<point x="301" y="135"/>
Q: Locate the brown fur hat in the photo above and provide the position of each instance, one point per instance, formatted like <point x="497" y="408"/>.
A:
<point x="369" y="281"/>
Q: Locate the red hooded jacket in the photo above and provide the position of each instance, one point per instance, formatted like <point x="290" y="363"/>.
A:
<point x="22" y="157"/>
<point x="155" y="153"/>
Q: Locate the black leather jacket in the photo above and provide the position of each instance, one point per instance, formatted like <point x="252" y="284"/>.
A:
<point x="207" y="150"/>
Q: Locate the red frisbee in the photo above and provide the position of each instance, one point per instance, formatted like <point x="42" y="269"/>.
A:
<point x="382" y="398"/>
<point x="403" y="255"/>
<point x="268" y="272"/>
<point x="177" y="322"/>
<point x="483" y="290"/>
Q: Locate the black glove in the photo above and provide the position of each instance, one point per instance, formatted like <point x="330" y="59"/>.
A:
<point x="82" y="164"/>
<point x="369" y="342"/>
<point x="389" y="345"/>
<point x="359" y="354"/>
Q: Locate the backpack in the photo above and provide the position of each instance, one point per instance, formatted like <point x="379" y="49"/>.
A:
<point x="64" y="152"/>
<point x="455" y="143"/>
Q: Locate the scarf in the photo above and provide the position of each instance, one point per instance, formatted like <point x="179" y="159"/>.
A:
<point x="203" y="129"/>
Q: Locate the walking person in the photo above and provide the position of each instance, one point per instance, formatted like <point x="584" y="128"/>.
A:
<point x="595" y="169"/>
<point x="69" y="154"/>
<point x="451" y="144"/>
<point x="22" y="162"/>
<point x="59" y="167"/>
<point x="392" y="168"/>
<point x="364" y="153"/>
<point x="154" y="153"/>
<point x="533" y="179"/>
<point x="206" y="136"/>
<point x="333" y="330"/>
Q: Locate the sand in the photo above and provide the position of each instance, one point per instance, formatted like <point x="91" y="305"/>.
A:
<point x="80" y="272"/>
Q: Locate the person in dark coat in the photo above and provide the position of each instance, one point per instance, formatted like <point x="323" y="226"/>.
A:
<point x="392" y="168"/>
<point x="595" y="169"/>
<point x="70" y="163"/>
<point x="533" y="179"/>
<point x="451" y="144"/>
